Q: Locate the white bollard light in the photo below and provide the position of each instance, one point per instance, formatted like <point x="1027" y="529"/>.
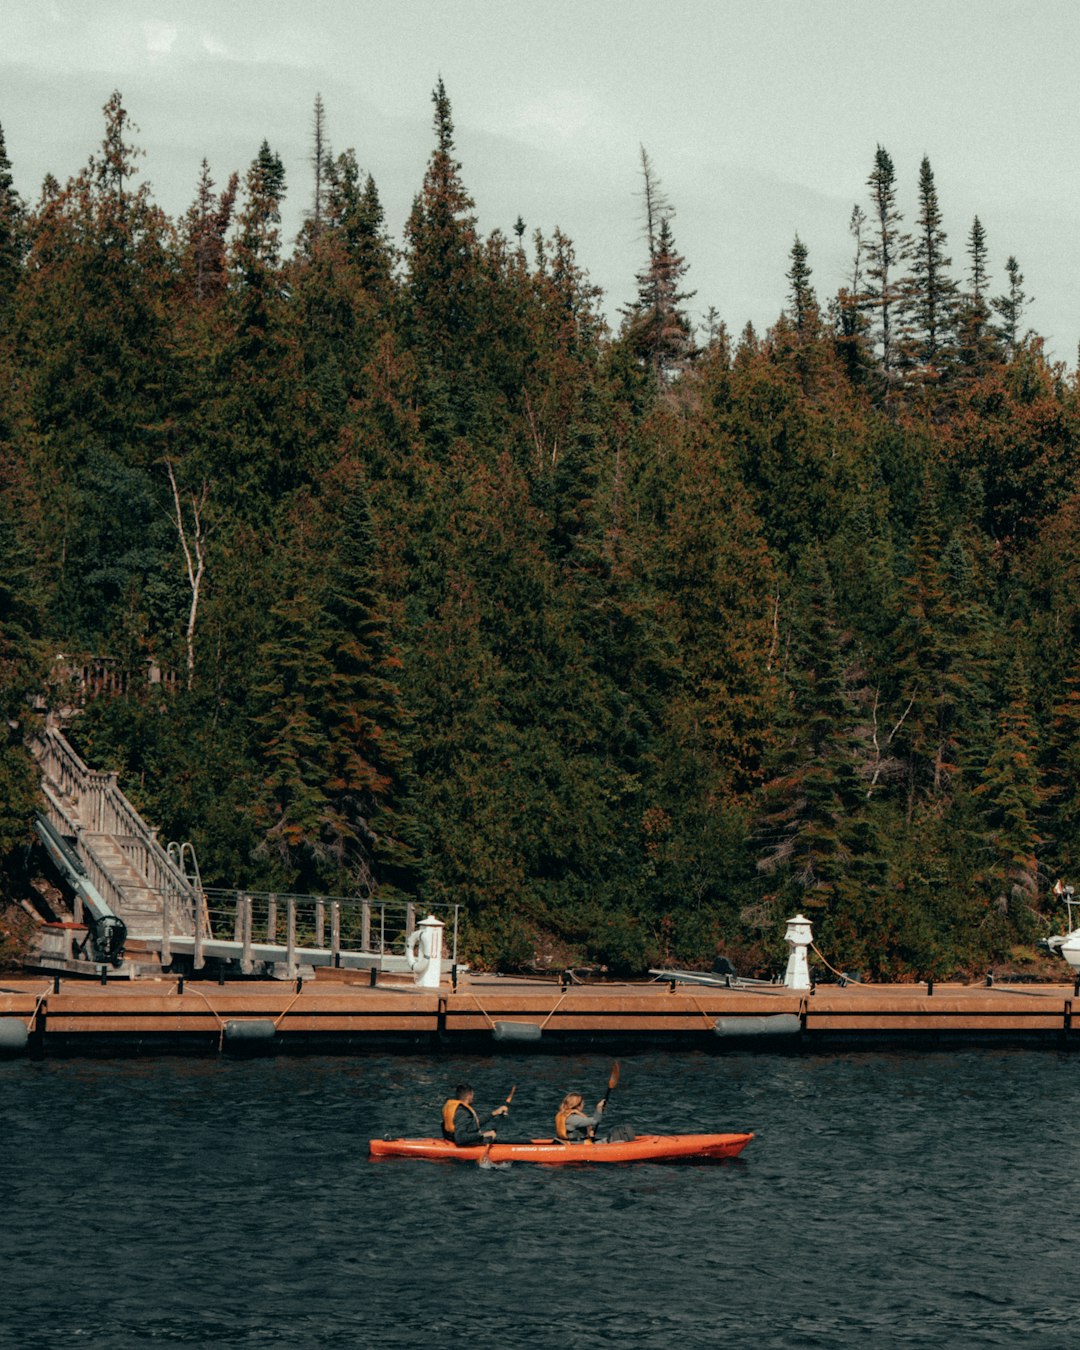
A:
<point x="423" y="948"/>
<point x="799" y="936"/>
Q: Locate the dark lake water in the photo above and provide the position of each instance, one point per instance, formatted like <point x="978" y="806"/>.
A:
<point x="888" y="1200"/>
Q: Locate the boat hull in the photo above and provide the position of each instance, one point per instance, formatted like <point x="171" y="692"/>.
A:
<point x="645" y="1148"/>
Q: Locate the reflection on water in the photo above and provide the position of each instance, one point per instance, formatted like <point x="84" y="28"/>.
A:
<point x="888" y="1199"/>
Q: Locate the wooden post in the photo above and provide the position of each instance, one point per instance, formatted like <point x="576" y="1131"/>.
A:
<point x="271" y="919"/>
<point x="166" y="926"/>
<point x="320" y="922"/>
<point x="247" y="965"/>
<point x="200" y="920"/>
<point x="335" y="931"/>
<point x="290" y="937"/>
<point x="238" y="918"/>
<point x="410" y="920"/>
<point x="365" y="925"/>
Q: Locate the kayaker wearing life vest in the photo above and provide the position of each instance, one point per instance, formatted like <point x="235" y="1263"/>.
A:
<point x="572" y="1124"/>
<point x="460" y="1121"/>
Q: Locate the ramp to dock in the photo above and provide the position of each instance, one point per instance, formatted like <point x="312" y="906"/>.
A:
<point x="113" y="863"/>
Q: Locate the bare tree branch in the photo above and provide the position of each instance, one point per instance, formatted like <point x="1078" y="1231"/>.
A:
<point x="196" y="567"/>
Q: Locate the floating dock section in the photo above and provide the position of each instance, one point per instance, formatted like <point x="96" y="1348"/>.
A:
<point x="340" y="1011"/>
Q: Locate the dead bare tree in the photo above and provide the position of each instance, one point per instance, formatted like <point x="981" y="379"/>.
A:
<point x="192" y="542"/>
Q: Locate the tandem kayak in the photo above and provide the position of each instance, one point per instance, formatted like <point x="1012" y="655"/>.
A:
<point x="645" y="1148"/>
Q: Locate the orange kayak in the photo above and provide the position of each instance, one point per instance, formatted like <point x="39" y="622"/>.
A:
<point x="645" y="1148"/>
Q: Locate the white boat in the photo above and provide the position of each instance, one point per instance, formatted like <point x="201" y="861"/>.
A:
<point x="1067" y="944"/>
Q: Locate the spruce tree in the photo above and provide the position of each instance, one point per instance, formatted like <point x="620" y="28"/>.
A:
<point x="931" y="294"/>
<point x="1011" y="796"/>
<point x="886" y="249"/>
<point x="656" y="326"/>
<point x="803" y="306"/>
<point x="1010" y="308"/>
<point x="849" y="315"/>
<point x="206" y="226"/>
<point x="815" y="791"/>
<point x="12" y="232"/>
<point x="442" y="259"/>
<point x="976" y="344"/>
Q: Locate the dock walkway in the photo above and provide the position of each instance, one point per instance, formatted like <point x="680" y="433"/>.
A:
<point x="341" y="1010"/>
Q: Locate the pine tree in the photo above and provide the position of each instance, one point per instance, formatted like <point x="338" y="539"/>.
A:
<point x="1010" y="308"/>
<point x="802" y="300"/>
<point x="1011" y="795"/>
<point x="368" y="726"/>
<point x="815" y="791"/>
<point x="20" y="672"/>
<point x="931" y="294"/>
<point x="12" y="232"/>
<point x="206" y="226"/>
<point x="656" y="326"/>
<point x="441" y="287"/>
<point x="330" y="719"/>
<point x="886" y="249"/>
<point x="849" y="316"/>
<point x="320" y="155"/>
<point x="355" y="214"/>
<point x="977" y="347"/>
<point x="257" y="250"/>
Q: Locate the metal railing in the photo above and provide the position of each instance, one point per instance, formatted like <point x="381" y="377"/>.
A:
<point x="100" y="808"/>
<point x="324" y="922"/>
<point x="88" y="805"/>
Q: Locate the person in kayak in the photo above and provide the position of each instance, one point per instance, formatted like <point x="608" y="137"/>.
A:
<point x="460" y="1122"/>
<point x="573" y="1125"/>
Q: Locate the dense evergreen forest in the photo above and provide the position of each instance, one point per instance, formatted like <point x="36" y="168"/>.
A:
<point x="634" y="642"/>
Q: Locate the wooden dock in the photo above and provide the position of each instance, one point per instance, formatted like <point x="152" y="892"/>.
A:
<point x="341" y="1011"/>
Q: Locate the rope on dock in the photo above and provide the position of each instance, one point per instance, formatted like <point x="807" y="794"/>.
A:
<point x="285" y="1011"/>
<point x="491" y="1020"/>
<point x="554" y="1010"/>
<point x="493" y="1024"/>
<point x="216" y="1014"/>
<point x="710" y="1022"/>
<point x="37" y="1007"/>
<point x="843" y="975"/>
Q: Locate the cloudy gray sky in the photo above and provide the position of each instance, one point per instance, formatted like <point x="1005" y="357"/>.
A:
<point x="760" y="116"/>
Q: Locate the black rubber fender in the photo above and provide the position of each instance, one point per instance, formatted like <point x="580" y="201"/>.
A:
<point x="516" y="1031"/>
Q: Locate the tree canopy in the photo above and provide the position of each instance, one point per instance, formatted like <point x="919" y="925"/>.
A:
<point x="630" y="642"/>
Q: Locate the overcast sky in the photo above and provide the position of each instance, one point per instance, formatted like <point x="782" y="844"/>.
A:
<point x="761" y="118"/>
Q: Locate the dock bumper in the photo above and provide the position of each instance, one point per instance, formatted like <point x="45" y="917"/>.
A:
<point x="774" y="1024"/>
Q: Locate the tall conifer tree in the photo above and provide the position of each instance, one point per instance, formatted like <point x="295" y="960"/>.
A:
<point x="931" y="294"/>
<point x="886" y="248"/>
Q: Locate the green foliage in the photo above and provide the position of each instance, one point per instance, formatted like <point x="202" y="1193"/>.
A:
<point x="628" y="648"/>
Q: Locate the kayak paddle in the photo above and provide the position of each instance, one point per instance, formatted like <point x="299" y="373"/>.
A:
<point x="484" y="1159"/>
<point x="612" y="1082"/>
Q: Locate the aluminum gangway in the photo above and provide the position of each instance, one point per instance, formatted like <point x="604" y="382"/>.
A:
<point x="105" y="846"/>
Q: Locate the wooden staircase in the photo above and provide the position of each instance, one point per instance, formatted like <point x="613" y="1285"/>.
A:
<point x="121" y="855"/>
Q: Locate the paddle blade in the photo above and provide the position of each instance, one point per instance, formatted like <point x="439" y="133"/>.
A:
<point x="613" y="1079"/>
<point x="511" y="1097"/>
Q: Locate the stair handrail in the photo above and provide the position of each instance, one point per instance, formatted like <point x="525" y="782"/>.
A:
<point x="104" y="809"/>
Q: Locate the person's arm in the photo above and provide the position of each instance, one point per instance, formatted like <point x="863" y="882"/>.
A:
<point x="465" y="1128"/>
<point x="578" y="1121"/>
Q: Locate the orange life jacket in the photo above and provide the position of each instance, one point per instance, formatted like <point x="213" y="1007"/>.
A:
<point x="449" y="1111"/>
<point x="560" y="1126"/>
